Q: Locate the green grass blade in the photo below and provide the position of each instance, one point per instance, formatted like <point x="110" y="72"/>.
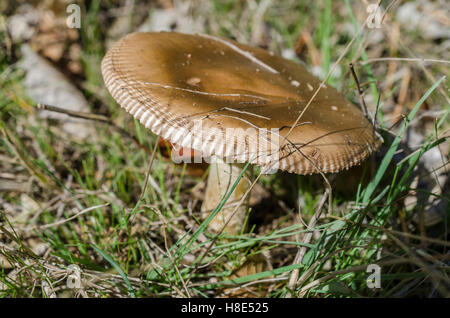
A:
<point x="370" y="189"/>
<point x="110" y="260"/>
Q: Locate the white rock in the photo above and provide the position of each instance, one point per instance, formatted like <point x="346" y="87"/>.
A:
<point x="408" y="15"/>
<point x="416" y="16"/>
<point x="47" y="85"/>
<point x="178" y="18"/>
<point x="22" y="25"/>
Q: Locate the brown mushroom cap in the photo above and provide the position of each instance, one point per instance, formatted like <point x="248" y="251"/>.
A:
<point x="171" y="82"/>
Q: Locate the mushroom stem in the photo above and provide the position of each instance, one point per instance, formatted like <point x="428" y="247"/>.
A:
<point x="221" y="179"/>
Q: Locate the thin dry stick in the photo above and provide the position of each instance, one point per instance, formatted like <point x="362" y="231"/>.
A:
<point x="403" y="59"/>
<point x="360" y="91"/>
<point x="72" y="113"/>
<point x="72" y="217"/>
<point x="302" y="250"/>
<point x="375" y="116"/>
<point x="149" y="169"/>
<point x="94" y="117"/>
<point x="427" y="72"/>
<point x="362" y="101"/>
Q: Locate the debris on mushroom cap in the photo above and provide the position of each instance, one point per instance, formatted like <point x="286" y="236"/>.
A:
<point x="193" y="89"/>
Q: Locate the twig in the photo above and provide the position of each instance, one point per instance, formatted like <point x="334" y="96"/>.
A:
<point x="152" y="157"/>
<point x="72" y="113"/>
<point x="94" y="117"/>
<point x="375" y="116"/>
<point x="360" y="91"/>
<point x="405" y="59"/>
<point x="426" y="71"/>
<point x="73" y="217"/>
<point x="302" y="250"/>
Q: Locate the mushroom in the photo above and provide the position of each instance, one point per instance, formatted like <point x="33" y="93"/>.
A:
<point x="233" y="104"/>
